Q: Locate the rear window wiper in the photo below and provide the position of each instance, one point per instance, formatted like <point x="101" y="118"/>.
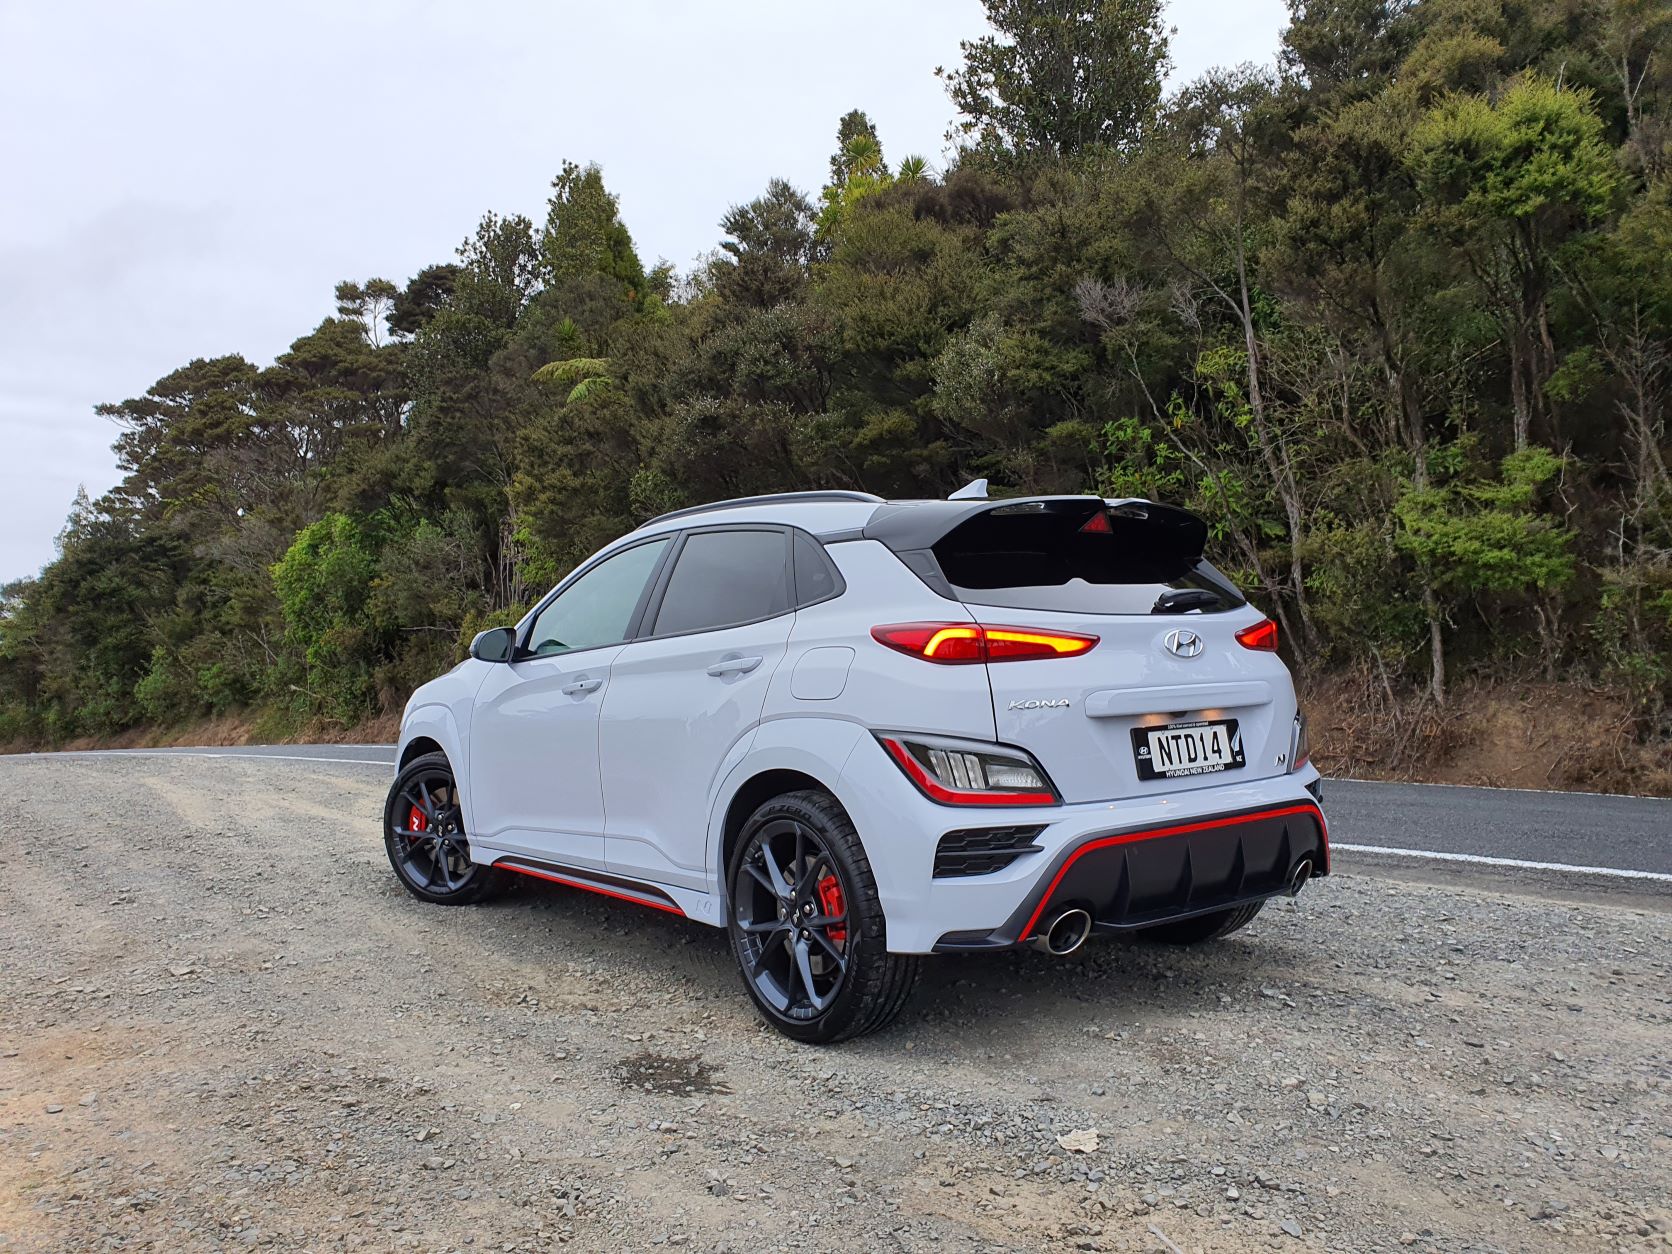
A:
<point x="1183" y="600"/>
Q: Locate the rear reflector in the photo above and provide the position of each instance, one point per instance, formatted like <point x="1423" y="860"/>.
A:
<point x="958" y="644"/>
<point x="1262" y="635"/>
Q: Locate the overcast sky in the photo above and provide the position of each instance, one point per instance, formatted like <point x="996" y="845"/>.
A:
<point x="187" y="179"/>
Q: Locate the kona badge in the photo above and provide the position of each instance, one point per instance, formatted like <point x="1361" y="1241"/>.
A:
<point x="1060" y="703"/>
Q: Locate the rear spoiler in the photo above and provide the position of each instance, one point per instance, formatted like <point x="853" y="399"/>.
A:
<point x="912" y="528"/>
<point x="907" y="525"/>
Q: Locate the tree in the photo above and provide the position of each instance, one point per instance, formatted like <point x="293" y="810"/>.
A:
<point x="1507" y="182"/>
<point x="584" y="233"/>
<point x="1060" y="76"/>
<point x="864" y="175"/>
<point x="324" y="584"/>
<point x="1473" y="535"/>
<point x="1203" y="218"/>
<point x="768" y="255"/>
<point x="855" y="124"/>
<point x="371" y="304"/>
<point x="1345" y="49"/>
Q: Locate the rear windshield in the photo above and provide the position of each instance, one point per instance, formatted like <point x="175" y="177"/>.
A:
<point x="1082" y="557"/>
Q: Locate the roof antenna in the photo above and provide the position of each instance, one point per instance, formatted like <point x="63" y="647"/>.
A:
<point x="976" y="490"/>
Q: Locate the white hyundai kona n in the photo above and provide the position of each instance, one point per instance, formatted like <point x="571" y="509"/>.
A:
<point x="853" y="731"/>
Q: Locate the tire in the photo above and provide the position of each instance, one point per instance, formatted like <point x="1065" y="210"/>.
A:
<point x="1204" y="927"/>
<point x="829" y="977"/>
<point x="423" y="817"/>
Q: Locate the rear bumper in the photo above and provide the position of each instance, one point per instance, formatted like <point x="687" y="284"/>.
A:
<point x="1083" y="849"/>
<point x="1131" y="879"/>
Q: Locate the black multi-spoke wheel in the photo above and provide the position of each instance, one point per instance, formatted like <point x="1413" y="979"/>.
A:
<point x="806" y="924"/>
<point x="423" y="831"/>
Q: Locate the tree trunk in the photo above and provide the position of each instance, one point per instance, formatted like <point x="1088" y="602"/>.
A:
<point x="1519" y="402"/>
<point x="508" y="580"/>
<point x="1436" y="645"/>
<point x="1410" y="420"/>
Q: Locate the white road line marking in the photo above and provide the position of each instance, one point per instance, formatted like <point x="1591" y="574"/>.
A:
<point x="1547" y="792"/>
<point x="1518" y="863"/>
<point x="197" y="753"/>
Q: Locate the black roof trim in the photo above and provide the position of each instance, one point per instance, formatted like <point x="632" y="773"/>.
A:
<point x="864" y="498"/>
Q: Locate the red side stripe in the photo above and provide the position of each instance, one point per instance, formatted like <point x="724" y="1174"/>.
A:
<point x="1127" y="838"/>
<point x="593" y="888"/>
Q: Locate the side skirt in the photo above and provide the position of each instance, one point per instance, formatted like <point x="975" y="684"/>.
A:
<point x="593" y="882"/>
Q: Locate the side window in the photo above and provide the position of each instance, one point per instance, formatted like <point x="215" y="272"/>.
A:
<point x="598" y="607"/>
<point x="815" y="574"/>
<point x="725" y="577"/>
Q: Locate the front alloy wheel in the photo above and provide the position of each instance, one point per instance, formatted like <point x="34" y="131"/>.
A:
<point x="423" y="833"/>
<point x="807" y="927"/>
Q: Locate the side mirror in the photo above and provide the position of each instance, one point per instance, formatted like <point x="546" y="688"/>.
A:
<point x="497" y="644"/>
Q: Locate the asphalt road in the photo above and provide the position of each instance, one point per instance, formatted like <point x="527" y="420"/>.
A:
<point x="1613" y="837"/>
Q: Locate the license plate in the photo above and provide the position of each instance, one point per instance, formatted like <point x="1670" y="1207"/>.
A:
<point x="1187" y="749"/>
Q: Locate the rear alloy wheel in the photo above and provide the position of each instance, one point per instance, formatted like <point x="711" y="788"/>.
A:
<point x="806" y="924"/>
<point x="1204" y="927"/>
<point x="423" y="833"/>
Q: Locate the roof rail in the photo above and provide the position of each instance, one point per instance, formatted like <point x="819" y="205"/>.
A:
<point x="835" y="494"/>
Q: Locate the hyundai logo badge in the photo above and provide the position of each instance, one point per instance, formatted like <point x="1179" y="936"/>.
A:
<point x="1182" y="643"/>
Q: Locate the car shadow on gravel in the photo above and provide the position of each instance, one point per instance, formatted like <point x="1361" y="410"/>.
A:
<point x="1132" y="979"/>
<point x="1024" y="991"/>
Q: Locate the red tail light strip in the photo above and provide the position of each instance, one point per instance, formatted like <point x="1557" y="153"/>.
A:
<point x="1262" y="635"/>
<point x="938" y="791"/>
<point x="963" y="644"/>
<point x="568" y="882"/>
<point x="1126" y="838"/>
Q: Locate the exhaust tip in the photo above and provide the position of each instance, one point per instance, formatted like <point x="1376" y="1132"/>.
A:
<point x="1065" y="933"/>
<point x="1299" y="876"/>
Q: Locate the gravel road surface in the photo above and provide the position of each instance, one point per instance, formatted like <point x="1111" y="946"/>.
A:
<point x="224" y="1025"/>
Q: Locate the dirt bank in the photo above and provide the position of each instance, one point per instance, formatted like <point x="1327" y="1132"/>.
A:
<point x="1503" y="735"/>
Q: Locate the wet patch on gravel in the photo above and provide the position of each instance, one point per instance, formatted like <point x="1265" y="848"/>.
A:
<point x="658" y="1073"/>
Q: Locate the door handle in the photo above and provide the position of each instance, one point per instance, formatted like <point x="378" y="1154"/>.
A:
<point x="580" y="687"/>
<point x="734" y="666"/>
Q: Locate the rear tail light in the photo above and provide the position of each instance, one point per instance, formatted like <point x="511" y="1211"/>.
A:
<point x="958" y="774"/>
<point x="1262" y="635"/>
<point x="959" y="644"/>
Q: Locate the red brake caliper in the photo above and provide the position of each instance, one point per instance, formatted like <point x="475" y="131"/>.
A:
<point x="830" y="900"/>
<point x="416" y="822"/>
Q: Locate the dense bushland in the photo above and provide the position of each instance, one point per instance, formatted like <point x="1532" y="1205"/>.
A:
<point x="1394" y="315"/>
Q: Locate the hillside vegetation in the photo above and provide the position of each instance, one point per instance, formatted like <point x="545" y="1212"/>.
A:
<point x="1394" y="316"/>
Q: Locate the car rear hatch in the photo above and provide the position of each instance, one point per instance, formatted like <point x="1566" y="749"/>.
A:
<point x="1168" y="698"/>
